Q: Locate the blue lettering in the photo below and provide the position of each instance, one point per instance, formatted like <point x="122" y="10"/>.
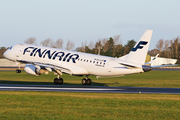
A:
<point x="33" y="51"/>
<point x="26" y="50"/>
<point x="73" y="59"/>
<point x="138" y="46"/>
<point x="49" y="54"/>
<point x="39" y="52"/>
<point x="66" y="56"/>
<point x="60" y="56"/>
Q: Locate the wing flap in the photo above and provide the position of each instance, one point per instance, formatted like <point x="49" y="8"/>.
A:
<point x="63" y="67"/>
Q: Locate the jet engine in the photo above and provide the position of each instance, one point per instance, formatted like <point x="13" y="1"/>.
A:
<point x="32" y="70"/>
<point x="146" y="68"/>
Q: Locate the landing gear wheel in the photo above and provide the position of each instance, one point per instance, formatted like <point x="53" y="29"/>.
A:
<point x="84" y="81"/>
<point x="88" y="81"/>
<point x="60" y="81"/>
<point x="18" y="71"/>
<point x="56" y="81"/>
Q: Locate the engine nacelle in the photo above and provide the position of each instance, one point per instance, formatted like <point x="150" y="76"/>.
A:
<point x="32" y="70"/>
<point x="146" y="68"/>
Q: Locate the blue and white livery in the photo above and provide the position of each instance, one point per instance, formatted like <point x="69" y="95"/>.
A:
<point x="41" y="59"/>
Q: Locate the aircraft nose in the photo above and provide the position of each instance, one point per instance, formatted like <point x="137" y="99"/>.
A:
<point x="8" y="54"/>
<point x="5" y="54"/>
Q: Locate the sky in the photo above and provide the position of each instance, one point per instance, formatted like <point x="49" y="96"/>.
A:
<point x="87" y="20"/>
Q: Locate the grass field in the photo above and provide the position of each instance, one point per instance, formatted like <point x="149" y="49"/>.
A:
<point x="168" y="79"/>
<point x="109" y="106"/>
<point x="62" y="105"/>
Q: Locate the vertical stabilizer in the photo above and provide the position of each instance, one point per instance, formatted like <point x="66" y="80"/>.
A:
<point x="139" y="51"/>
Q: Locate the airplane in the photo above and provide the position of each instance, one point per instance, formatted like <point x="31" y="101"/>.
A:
<point x="39" y="59"/>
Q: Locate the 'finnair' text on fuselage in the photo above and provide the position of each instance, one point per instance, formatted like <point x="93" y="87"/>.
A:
<point x="51" y="55"/>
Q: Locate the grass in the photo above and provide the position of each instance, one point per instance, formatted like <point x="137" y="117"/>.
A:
<point x="110" y="106"/>
<point x="62" y="105"/>
<point x="167" y="79"/>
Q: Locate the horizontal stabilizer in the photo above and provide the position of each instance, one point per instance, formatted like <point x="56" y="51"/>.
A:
<point x="130" y="65"/>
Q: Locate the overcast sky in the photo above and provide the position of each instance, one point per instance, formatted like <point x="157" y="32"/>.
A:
<point x="87" y="20"/>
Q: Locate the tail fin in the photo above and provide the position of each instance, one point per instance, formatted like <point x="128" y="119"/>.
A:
<point x="139" y="51"/>
<point x="152" y="60"/>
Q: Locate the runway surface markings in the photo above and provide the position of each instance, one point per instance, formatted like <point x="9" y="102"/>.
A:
<point x="42" y="88"/>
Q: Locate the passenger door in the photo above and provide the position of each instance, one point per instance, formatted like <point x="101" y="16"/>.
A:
<point x="19" y="52"/>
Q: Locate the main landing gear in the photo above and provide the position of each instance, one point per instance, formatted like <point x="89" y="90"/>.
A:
<point x="86" y="81"/>
<point x="58" y="80"/>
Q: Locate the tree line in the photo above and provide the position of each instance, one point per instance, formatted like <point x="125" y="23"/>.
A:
<point x="167" y="49"/>
<point x="2" y="50"/>
<point x="50" y="43"/>
<point x="108" y="47"/>
<point x="111" y="47"/>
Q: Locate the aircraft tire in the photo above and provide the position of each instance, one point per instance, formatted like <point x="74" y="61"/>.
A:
<point x="18" y="71"/>
<point x="60" y="81"/>
<point x="56" y="81"/>
<point x="84" y="81"/>
<point x="88" y="81"/>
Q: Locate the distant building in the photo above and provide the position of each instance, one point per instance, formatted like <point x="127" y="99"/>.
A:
<point x="8" y="63"/>
<point x="163" y="61"/>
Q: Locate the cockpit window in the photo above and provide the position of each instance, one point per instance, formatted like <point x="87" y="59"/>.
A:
<point x="10" y="47"/>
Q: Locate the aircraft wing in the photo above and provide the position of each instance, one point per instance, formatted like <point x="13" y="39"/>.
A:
<point x="64" y="68"/>
<point x="164" y="65"/>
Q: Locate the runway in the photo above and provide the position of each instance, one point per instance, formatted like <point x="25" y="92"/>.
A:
<point x="93" y="89"/>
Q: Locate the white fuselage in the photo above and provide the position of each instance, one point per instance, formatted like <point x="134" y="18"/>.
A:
<point x="74" y="63"/>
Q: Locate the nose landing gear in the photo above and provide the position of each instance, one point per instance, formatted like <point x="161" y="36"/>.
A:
<point x="18" y="71"/>
<point x="19" y="68"/>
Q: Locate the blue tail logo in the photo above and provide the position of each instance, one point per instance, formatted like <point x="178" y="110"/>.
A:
<point x="138" y="46"/>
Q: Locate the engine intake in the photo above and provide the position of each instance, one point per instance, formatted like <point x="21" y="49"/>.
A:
<point x="146" y="68"/>
<point x="32" y="70"/>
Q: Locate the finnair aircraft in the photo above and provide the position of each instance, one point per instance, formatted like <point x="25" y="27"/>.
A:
<point x="41" y="59"/>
